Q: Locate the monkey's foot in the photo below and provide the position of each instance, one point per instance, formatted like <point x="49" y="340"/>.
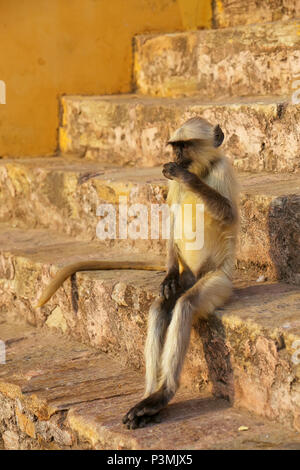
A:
<point x="146" y="411"/>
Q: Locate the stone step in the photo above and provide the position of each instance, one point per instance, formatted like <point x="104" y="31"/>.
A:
<point x="62" y="195"/>
<point x="261" y="134"/>
<point x="248" y="352"/>
<point x="234" y="12"/>
<point x="56" y="393"/>
<point x="259" y="59"/>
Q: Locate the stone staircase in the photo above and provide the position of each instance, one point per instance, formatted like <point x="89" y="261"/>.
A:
<point x="76" y="365"/>
<point x="56" y="393"/>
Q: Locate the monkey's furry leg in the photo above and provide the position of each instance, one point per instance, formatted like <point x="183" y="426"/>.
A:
<point x="158" y="321"/>
<point x="199" y="301"/>
<point x="207" y="294"/>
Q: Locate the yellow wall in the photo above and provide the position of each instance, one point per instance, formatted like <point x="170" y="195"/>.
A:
<point x="52" y="47"/>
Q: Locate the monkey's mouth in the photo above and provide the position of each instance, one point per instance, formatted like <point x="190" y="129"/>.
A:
<point x="183" y="162"/>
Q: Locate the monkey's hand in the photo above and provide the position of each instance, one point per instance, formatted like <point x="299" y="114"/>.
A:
<point x="172" y="171"/>
<point x="170" y="285"/>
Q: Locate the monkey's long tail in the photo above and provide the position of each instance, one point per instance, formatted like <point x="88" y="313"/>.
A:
<point x="91" y="265"/>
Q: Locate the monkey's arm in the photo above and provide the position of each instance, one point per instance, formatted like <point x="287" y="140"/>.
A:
<point x="91" y="265"/>
<point x="219" y="206"/>
<point x="170" y="284"/>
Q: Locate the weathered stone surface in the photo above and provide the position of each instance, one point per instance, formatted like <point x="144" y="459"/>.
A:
<point x="26" y="424"/>
<point x="270" y="208"/>
<point x="228" y="13"/>
<point x="63" y="195"/>
<point x="269" y="229"/>
<point x="10" y="440"/>
<point x="57" y="320"/>
<point x="260" y="134"/>
<point x="51" y="375"/>
<point x="253" y="60"/>
<point x="86" y="394"/>
<point x="192" y="421"/>
<point x="246" y="353"/>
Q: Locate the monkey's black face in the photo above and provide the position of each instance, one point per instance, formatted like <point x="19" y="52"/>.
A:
<point x="181" y="153"/>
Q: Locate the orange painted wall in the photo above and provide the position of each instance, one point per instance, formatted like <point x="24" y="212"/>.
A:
<point x="54" y="47"/>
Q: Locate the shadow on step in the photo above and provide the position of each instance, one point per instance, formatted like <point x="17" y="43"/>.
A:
<point x="245" y="295"/>
<point x="217" y="355"/>
<point x="193" y="408"/>
<point x="284" y="230"/>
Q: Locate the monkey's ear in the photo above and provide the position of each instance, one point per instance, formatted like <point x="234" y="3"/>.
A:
<point x="218" y="136"/>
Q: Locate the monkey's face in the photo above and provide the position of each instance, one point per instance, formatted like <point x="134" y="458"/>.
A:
<point x="181" y="153"/>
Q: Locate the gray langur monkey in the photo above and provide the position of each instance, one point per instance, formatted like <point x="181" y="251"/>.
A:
<point x="197" y="281"/>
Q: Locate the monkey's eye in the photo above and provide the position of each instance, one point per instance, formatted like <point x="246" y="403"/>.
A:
<point x="186" y="145"/>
